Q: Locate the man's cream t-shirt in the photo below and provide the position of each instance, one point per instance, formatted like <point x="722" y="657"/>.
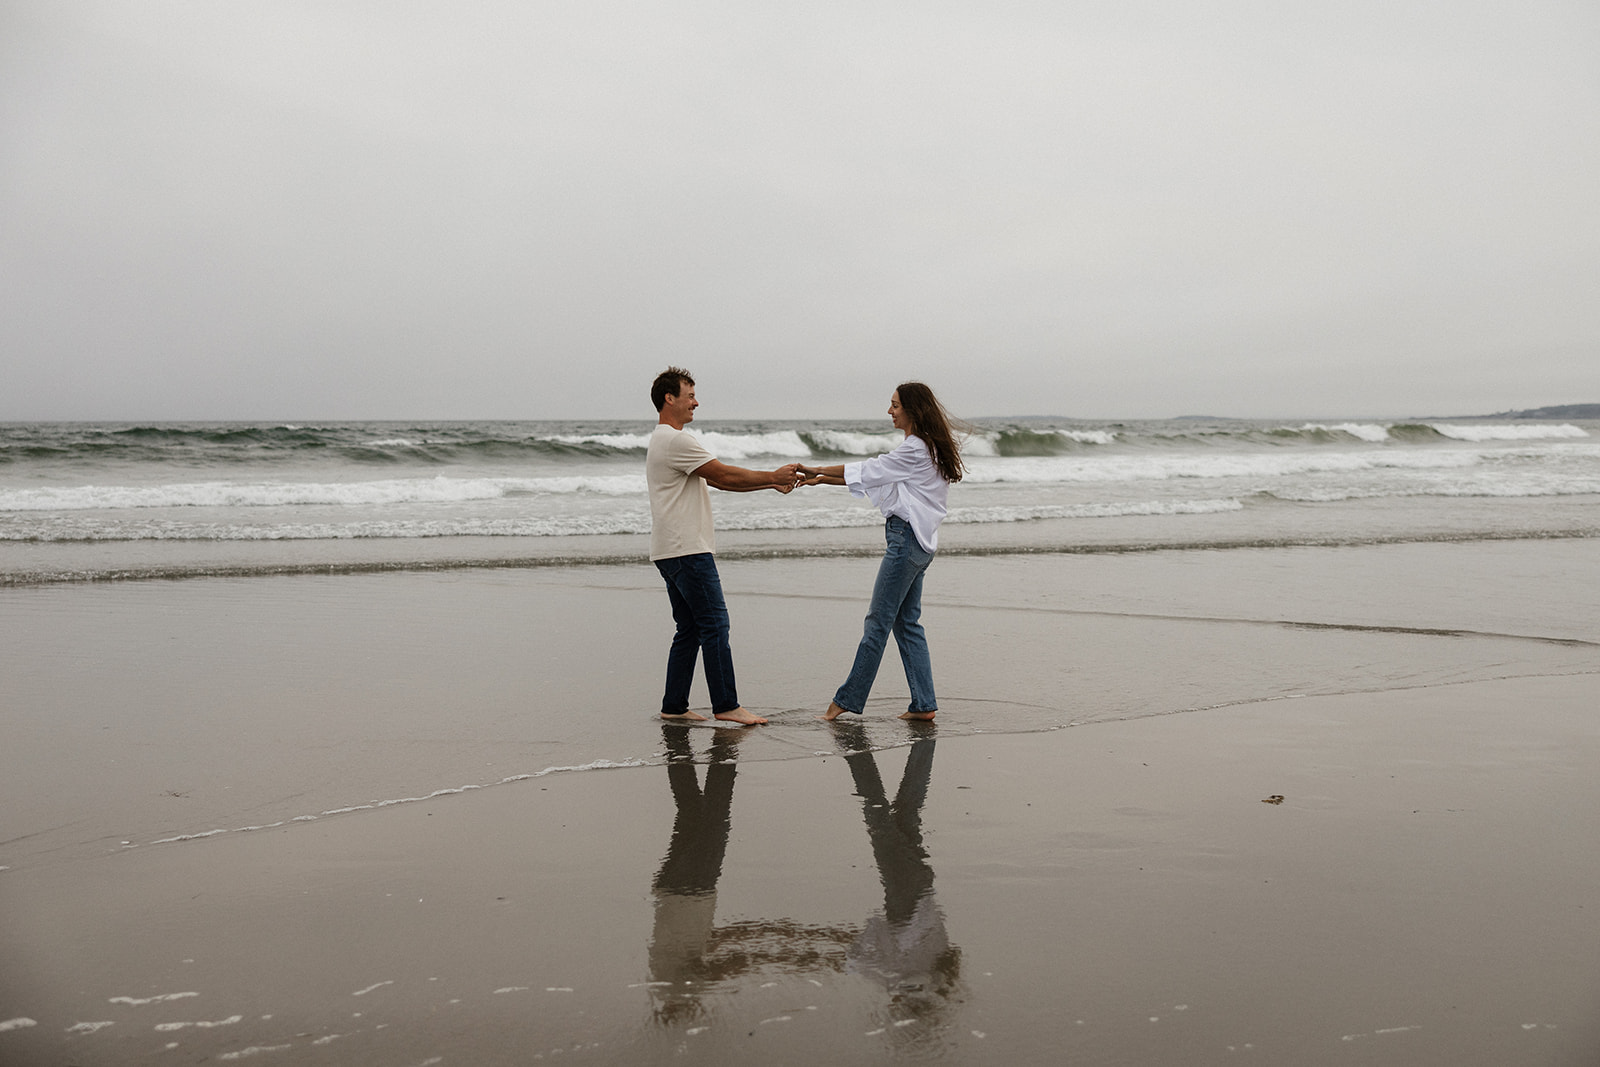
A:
<point x="680" y="502"/>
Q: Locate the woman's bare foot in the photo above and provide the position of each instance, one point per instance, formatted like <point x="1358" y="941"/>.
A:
<point x="833" y="712"/>
<point x="740" y="716"/>
<point x="687" y="716"/>
<point x="918" y="716"/>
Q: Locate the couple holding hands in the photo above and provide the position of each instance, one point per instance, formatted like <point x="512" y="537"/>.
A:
<point x="909" y="485"/>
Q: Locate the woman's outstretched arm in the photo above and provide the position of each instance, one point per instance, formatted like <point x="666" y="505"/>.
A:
<point x="833" y="475"/>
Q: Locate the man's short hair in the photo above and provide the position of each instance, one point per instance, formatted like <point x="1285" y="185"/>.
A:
<point x="670" y="381"/>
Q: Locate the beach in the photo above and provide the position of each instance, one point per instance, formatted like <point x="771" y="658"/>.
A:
<point x="1278" y="805"/>
<point x="1215" y="384"/>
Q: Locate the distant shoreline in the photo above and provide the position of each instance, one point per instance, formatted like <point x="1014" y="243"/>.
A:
<point x="1559" y="411"/>
<point x="1555" y="411"/>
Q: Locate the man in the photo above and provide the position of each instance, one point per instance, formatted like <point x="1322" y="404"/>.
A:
<point x="678" y="468"/>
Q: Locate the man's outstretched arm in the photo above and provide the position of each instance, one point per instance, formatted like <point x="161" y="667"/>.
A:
<point x="730" y="479"/>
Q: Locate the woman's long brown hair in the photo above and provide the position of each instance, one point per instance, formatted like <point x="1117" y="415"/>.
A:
<point x="931" y="422"/>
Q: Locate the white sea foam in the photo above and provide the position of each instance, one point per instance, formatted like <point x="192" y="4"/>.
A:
<point x="844" y="516"/>
<point x="21" y="1023"/>
<point x="1486" y="489"/>
<point x="1443" y="475"/>
<point x="987" y="443"/>
<point x="625" y="442"/>
<point x="730" y="446"/>
<point x="1089" y="437"/>
<point x="983" y="469"/>
<point x="848" y="443"/>
<point x="407" y="442"/>
<point x="746" y="445"/>
<point x="438" y="490"/>
<point x="1136" y="467"/>
<point x="204" y="1024"/>
<point x="159" y="999"/>
<point x="632" y="521"/>
<point x="253" y="1050"/>
<point x="979" y="444"/>
<point x="1366" y="431"/>
<point x="1093" y="511"/>
<point x="1471" y="431"/>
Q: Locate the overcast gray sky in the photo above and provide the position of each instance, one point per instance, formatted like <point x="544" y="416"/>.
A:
<point x="342" y="209"/>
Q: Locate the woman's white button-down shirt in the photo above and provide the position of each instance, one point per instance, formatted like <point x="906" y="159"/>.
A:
<point x="904" y="482"/>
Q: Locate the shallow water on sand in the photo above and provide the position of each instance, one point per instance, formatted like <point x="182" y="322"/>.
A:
<point x="1117" y="895"/>
<point x="211" y="706"/>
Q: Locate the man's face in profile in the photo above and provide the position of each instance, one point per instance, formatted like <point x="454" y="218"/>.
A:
<point x="680" y="408"/>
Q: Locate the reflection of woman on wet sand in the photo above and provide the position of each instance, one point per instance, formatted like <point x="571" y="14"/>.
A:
<point x="910" y="485"/>
<point x="906" y="947"/>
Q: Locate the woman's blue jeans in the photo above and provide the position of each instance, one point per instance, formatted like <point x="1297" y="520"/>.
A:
<point x="695" y="589"/>
<point x="896" y="608"/>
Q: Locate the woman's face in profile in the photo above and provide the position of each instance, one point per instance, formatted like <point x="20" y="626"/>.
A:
<point x="902" y="421"/>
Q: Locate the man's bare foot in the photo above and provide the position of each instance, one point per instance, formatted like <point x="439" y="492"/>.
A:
<point x="833" y="712"/>
<point x="687" y="716"/>
<point x="918" y="716"/>
<point x="740" y="716"/>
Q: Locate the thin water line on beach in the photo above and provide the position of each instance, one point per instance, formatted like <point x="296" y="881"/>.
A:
<point x="802" y="751"/>
<point x="1359" y="691"/>
<point x="180" y="572"/>
<point x="376" y="805"/>
<point x="1295" y="624"/>
<point x="442" y="793"/>
<point x="1426" y="631"/>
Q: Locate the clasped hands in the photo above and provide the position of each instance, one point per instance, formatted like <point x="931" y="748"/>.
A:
<point x="792" y="475"/>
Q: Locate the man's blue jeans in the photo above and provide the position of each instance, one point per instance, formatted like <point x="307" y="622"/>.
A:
<point x="896" y="608"/>
<point x="695" y="589"/>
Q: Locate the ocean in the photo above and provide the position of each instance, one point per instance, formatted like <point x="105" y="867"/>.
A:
<point x="81" y="501"/>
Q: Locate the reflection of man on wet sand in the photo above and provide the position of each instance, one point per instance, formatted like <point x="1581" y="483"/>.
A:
<point x="686" y="884"/>
<point x="689" y="954"/>
<point x="905" y="947"/>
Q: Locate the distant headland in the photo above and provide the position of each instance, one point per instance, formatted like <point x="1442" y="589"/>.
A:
<point x="1559" y="411"/>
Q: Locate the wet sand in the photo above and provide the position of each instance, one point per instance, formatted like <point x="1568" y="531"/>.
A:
<point x="1108" y="887"/>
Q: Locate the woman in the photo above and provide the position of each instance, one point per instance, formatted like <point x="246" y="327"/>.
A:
<point x="910" y="485"/>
